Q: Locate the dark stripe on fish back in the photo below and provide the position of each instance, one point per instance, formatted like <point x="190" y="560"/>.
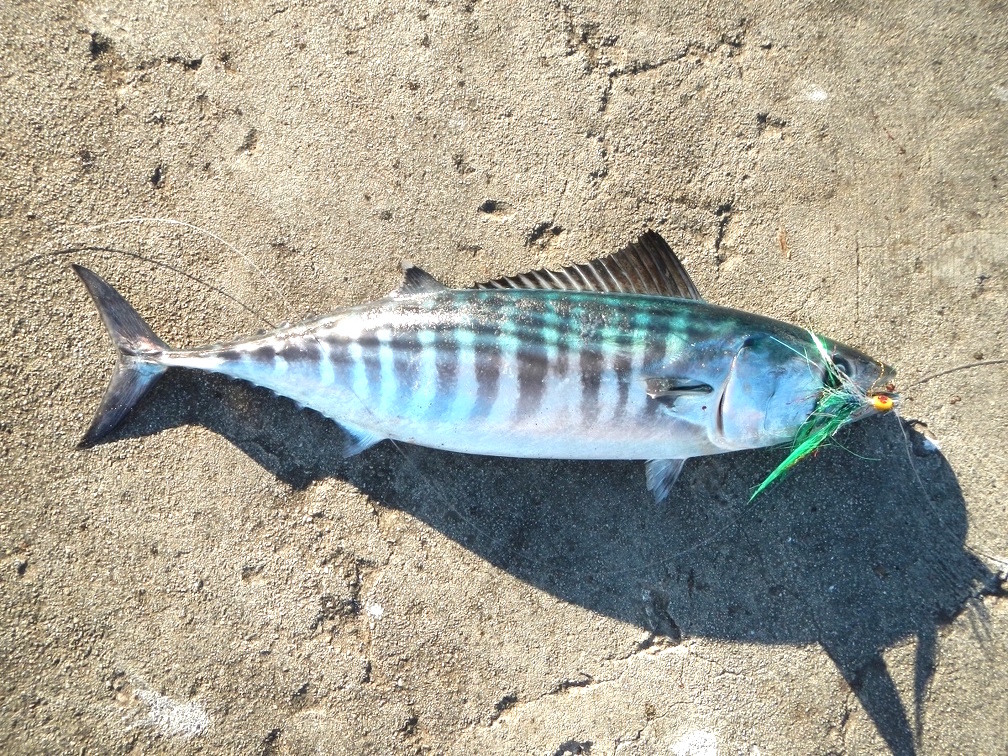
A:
<point x="569" y="338"/>
<point x="301" y="350"/>
<point x="622" y="366"/>
<point x="446" y="363"/>
<point x="562" y="360"/>
<point x="405" y="364"/>
<point x="371" y="358"/>
<point x="335" y="350"/>
<point x="487" y="358"/>
<point x="592" y="364"/>
<point x="532" y="369"/>
<point x="654" y="357"/>
<point x="264" y="355"/>
<point x="229" y="355"/>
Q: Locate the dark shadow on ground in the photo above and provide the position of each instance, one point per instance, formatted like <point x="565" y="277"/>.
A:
<point x="849" y="552"/>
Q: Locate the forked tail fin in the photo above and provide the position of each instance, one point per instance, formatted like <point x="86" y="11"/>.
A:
<point x="139" y="348"/>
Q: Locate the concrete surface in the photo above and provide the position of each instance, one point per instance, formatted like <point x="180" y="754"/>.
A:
<point x="216" y="578"/>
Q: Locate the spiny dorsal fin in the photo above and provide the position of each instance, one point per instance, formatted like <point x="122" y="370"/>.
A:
<point x="646" y="266"/>
<point x="417" y="281"/>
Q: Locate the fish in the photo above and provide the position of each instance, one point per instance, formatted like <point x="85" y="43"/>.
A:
<point x="619" y="358"/>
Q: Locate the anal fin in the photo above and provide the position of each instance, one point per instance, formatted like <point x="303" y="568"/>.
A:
<point x="661" y="476"/>
<point x="361" y="439"/>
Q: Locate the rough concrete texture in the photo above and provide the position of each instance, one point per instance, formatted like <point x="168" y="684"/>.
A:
<point x="217" y="578"/>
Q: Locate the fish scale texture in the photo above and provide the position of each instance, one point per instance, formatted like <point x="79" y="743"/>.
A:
<point x="216" y="577"/>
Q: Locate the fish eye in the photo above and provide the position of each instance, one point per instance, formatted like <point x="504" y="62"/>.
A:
<point x="842" y="365"/>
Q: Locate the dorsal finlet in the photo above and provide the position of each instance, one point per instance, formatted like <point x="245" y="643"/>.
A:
<point x="646" y="266"/>
<point x="417" y="281"/>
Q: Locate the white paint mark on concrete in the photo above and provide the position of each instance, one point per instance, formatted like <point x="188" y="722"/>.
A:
<point x="815" y="94"/>
<point x="173" y="718"/>
<point x="698" y="743"/>
<point x="1001" y="92"/>
<point x="375" y="611"/>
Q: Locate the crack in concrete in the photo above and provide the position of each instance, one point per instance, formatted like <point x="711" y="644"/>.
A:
<point x="623" y="740"/>
<point x="510" y="704"/>
<point x="724" y="216"/>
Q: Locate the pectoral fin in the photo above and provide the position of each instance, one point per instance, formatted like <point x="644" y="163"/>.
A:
<point x="667" y="389"/>
<point x="661" y="476"/>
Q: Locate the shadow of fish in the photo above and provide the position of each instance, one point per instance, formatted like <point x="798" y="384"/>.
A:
<point x="616" y="359"/>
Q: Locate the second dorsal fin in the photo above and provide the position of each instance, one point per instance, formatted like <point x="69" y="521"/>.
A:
<point x="646" y="266"/>
<point x="416" y="281"/>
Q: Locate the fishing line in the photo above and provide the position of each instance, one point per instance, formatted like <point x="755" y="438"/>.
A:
<point x="158" y="263"/>
<point x="969" y="366"/>
<point x="411" y="462"/>
<point x="245" y="256"/>
<point x="549" y="562"/>
<point x="311" y="332"/>
<point x="835" y="442"/>
<point x="908" y="444"/>
<point x="977" y="590"/>
<point x="137" y="256"/>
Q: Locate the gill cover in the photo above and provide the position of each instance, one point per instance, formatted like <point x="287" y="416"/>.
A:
<point x="770" y="391"/>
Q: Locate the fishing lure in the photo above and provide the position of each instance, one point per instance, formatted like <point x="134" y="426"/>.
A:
<point x="841" y="402"/>
<point x="619" y="358"/>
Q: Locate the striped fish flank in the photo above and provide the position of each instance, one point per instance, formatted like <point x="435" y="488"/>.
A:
<point x="615" y="359"/>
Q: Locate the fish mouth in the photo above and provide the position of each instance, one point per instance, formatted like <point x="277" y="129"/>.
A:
<point x="884" y="382"/>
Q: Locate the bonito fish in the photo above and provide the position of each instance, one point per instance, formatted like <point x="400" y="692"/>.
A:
<point x="615" y="359"/>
